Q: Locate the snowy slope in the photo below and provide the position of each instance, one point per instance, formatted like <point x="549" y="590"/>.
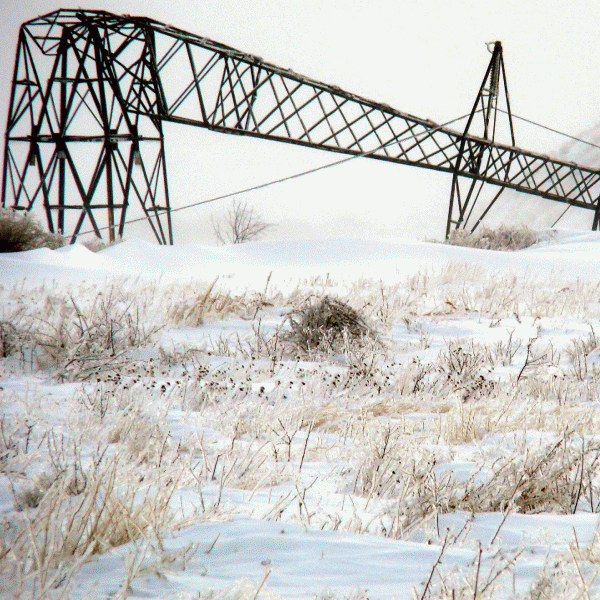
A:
<point x="573" y="254"/>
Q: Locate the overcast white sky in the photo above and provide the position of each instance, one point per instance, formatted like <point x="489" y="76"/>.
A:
<point x="425" y="57"/>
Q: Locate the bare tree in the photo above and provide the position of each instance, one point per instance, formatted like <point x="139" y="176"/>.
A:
<point x="242" y="224"/>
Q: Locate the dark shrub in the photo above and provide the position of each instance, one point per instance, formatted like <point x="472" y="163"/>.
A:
<point x="503" y="238"/>
<point x="19" y="232"/>
<point x="324" y="326"/>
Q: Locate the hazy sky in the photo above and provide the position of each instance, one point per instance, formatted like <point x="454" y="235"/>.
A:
<point x="424" y="57"/>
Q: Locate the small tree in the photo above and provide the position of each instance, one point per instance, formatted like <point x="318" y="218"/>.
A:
<point x="242" y="224"/>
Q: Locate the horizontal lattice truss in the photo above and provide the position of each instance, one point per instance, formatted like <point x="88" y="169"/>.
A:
<point x="152" y="72"/>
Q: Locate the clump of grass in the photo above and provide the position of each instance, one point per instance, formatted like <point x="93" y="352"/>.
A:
<point x="20" y="232"/>
<point x="64" y="526"/>
<point x="191" y="305"/>
<point x="491" y="577"/>
<point x="324" y="327"/>
<point x="503" y="238"/>
<point x="462" y="369"/>
<point x="79" y="340"/>
<point x="556" y="477"/>
<point x="578" y="351"/>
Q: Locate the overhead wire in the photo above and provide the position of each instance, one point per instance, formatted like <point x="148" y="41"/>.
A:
<point x="551" y="129"/>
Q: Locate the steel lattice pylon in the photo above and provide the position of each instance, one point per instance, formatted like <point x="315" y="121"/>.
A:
<point x="82" y="135"/>
<point x="91" y="90"/>
<point x="472" y="157"/>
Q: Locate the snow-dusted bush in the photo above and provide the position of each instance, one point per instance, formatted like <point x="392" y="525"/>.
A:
<point x="324" y="326"/>
<point x="19" y="232"/>
<point x="502" y="238"/>
<point x="97" y="244"/>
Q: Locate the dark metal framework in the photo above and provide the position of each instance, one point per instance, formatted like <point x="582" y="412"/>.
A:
<point x="471" y="157"/>
<point x="92" y="89"/>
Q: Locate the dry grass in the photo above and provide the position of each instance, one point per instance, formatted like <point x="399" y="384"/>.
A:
<point x="324" y="326"/>
<point x="395" y="416"/>
<point x="557" y="476"/>
<point x="503" y="238"/>
<point x="83" y="333"/>
<point x="68" y="524"/>
<point x="78" y="340"/>
<point x="192" y="306"/>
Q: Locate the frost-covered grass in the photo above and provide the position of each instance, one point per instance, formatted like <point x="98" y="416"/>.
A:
<point x="171" y="438"/>
<point x="502" y="238"/>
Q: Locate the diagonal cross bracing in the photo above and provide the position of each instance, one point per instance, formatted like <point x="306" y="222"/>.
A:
<point x="130" y="74"/>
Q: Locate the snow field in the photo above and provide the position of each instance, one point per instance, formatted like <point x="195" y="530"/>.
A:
<point x="160" y="439"/>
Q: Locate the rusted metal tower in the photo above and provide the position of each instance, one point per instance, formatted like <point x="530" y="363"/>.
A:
<point x="473" y="158"/>
<point x="91" y="91"/>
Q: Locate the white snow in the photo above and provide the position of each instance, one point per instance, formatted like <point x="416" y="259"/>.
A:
<point x="295" y="555"/>
<point x="570" y="254"/>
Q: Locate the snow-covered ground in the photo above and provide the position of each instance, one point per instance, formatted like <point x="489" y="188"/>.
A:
<point x="161" y="439"/>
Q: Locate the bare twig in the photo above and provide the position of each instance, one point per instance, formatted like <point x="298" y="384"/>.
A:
<point x="434" y="567"/>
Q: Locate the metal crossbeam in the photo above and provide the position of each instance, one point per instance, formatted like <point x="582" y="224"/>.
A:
<point x="95" y="84"/>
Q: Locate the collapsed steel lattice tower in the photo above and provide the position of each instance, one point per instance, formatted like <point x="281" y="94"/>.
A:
<point x="91" y="91"/>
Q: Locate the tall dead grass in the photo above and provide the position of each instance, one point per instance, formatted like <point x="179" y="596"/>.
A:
<point x="557" y="475"/>
<point x="67" y="524"/>
<point x="503" y="238"/>
<point x="391" y="418"/>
